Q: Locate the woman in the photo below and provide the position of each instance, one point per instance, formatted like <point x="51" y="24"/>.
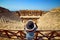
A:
<point x="30" y="28"/>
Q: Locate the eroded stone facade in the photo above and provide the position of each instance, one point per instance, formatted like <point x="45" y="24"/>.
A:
<point x="26" y="15"/>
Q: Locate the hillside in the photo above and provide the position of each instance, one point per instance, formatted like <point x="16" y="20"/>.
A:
<point x="8" y="20"/>
<point x="50" y="21"/>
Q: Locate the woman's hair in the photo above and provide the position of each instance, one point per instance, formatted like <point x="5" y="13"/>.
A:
<point x="30" y="25"/>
